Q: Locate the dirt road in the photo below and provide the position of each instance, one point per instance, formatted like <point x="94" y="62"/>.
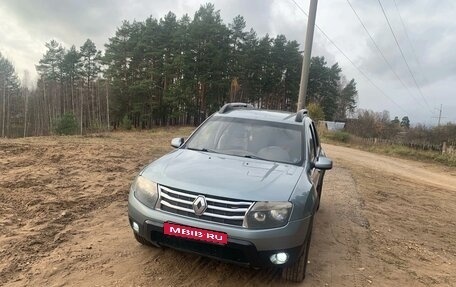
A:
<point x="63" y="221"/>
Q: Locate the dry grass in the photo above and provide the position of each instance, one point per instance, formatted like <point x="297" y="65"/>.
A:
<point x="342" y="138"/>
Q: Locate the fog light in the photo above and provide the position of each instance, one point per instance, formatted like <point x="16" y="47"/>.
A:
<point x="135" y="227"/>
<point x="279" y="258"/>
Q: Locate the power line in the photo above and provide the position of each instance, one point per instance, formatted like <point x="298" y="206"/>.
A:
<point x="381" y="53"/>
<point x="351" y="62"/>
<point x="410" y="42"/>
<point x="402" y="54"/>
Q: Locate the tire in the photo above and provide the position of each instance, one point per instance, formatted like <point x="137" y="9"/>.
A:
<point x="297" y="271"/>
<point x="141" y="239"/>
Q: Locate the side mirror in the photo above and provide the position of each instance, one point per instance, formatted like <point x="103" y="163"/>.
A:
<point x="177" y="142"/>
<point x="323" y="163"/>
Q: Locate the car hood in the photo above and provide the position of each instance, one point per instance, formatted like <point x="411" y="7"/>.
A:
<point x="224" y="175"/>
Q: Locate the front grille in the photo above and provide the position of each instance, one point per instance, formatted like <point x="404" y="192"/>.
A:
<point x="219" y="209"/>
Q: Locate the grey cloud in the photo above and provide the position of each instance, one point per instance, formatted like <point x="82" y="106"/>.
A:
<point x="430" y="24"/>
<point x="69" y="21"/>
<point x="429" y="38"/>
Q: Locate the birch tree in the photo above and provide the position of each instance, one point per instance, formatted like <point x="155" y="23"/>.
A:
<point x="9" y="87"/>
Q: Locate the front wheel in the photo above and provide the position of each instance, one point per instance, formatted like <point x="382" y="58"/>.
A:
<point x="297" y="271"/>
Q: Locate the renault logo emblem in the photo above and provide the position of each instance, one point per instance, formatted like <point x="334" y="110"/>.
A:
<point x="199" y="205"/>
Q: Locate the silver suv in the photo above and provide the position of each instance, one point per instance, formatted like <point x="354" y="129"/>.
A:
<point x="243" y="188"/>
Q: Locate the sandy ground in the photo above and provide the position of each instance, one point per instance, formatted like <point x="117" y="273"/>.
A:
<point x="63" y="220"/>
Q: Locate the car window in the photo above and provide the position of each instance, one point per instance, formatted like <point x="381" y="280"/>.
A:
<point x="250" y="138"/>
<point x="317" y="138"/>
<point x="312" y="143"/>
<point x="208" y="135"/>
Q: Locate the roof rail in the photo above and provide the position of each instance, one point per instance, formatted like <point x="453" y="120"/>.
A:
<point x="233" y="106"/>
<point x="300" y="115"/>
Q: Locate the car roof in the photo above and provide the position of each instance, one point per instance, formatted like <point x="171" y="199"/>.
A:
<point x="264" y="115"/>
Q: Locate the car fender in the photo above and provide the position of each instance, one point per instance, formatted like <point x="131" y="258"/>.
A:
<point x="304" y="198"/>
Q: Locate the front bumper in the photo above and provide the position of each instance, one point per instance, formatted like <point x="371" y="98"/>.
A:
<point x="245" y="246"/>
<point x="236" y="251"/>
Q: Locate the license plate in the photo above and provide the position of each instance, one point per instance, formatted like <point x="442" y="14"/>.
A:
<point x="189" y="232"/>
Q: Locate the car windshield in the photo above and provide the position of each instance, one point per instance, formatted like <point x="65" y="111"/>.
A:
<point x="264" y="140"/>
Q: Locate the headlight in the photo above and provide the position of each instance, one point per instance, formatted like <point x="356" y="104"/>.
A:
<point x="145" y="191"/>
<point x="268" y="214"/>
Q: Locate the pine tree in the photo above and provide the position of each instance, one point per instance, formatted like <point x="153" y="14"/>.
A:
<point x="90" y="59"/>
<point x="71" y="70"/>
<point x="49" y="70"/>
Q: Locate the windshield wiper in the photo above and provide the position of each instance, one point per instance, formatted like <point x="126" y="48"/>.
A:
<point x="254" y="157"/>
<point x="202" y="149"/>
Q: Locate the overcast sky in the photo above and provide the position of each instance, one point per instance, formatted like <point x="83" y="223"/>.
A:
<point x="431" y="52"/>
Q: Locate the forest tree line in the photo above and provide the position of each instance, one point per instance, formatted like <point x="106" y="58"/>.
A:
<point x="168" y="71"/>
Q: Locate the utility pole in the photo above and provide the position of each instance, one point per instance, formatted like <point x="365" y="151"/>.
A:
<point x="440" y="115"/>
<point x="307" y="52"/>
